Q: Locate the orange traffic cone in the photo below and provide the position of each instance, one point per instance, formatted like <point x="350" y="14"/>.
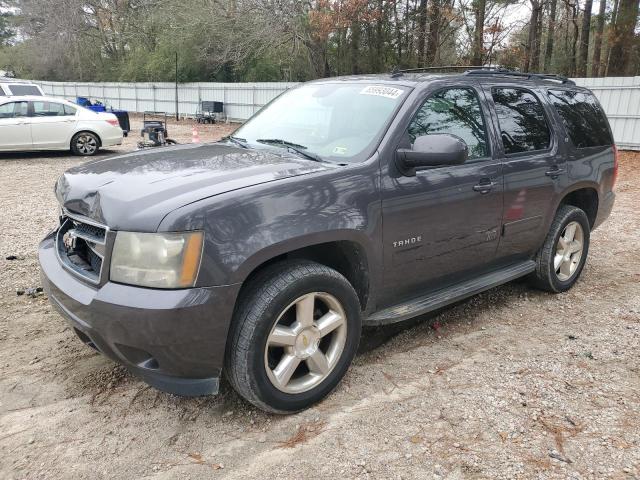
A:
<point x="195" y="138"/>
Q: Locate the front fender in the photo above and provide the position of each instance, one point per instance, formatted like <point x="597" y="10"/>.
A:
<point x="247" y="227"/>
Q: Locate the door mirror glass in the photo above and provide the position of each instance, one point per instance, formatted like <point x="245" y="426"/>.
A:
<point x="436" y="150"/>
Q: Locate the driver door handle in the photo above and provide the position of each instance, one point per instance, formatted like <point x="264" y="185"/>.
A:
<point x="554" y="172"/>
<point x="484" y="186"/>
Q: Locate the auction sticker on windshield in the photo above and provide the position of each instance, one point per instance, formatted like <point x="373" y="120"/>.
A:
<point x="388" y="92"/>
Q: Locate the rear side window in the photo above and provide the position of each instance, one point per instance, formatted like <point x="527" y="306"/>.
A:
<point x="48" y="109"/>
<point x="583" y="118"/>
<point x="454" y="111"/>
<point x="523" y="126"/>
<point x="13" y="110"/>
<point x="69" y="110"/>
<point x="24" y="90"/>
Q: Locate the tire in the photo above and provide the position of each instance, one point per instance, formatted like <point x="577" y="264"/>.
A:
<point x="548" y="276"/>
<point x="85" y="144"/>
<point x="278" y="295"/>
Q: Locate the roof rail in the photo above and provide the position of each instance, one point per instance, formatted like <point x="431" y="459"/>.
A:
<point x="399" y="72"/>
<point x="512" y="73"/>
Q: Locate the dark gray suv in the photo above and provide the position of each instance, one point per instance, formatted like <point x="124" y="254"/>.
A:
<point x="343" y="203"/>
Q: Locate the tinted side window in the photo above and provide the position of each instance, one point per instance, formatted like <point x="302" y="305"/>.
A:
<point x="455" y="111"/>
<point x="69" y="110"/>
<point x="583" y="117"/>
<point x="523" y="126"/>
<point x="24" y="90"/>
<point x="13" y="109"/>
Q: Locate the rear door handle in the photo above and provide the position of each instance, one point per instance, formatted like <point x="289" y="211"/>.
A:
<point x="555" y="172"/>
<point x="484" y="186"/>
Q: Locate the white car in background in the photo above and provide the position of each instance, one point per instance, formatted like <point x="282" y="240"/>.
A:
<point x="46" y="123"/>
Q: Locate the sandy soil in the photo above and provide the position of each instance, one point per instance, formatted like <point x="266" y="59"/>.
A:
<point x="513" y="383"/>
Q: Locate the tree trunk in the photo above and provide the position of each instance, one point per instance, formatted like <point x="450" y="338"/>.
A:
<point x="537" y="45"/>
<point x="622" y="38"/>
<point x="530" y="62"/>
<point x="433" y="38"/>
<point x="574" y="39"/>
<point x="596" y="67"/>
<point x="551" y="30"/>
<point x="479" y="7"/>
<point x="355" y="48"/>
<point x="422" y="30"/>
<point x="583" y="56"/>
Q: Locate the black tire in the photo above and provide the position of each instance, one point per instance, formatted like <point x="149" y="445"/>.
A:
<point x="85" y="144"/>
<point x="545" y="276"/>
<point x="260" y="305"/>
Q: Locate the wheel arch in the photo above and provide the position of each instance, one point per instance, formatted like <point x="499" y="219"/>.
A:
<point x="585" y="197"/>
<point x="344" y="253"/>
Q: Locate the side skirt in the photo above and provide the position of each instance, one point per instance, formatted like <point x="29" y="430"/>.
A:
<point x="440" y="298"/>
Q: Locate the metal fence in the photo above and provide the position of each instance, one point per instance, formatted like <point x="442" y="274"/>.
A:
<point x="241" y="100"/>
<point x="620" y="97"/>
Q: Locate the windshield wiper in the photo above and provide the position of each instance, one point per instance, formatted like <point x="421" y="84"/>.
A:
<point x="299" y="149"/>
<point x="241" y="142"/>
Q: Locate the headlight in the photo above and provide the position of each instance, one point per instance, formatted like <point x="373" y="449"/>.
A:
<point x="158" y="260"/>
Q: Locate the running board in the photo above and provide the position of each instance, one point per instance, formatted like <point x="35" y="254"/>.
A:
<point x="440" y="298"/>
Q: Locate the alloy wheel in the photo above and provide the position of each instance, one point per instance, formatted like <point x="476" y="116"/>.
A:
<point x="305" y="343"/>
<point x="568" y="251"/>
<point x="86" y="144"/>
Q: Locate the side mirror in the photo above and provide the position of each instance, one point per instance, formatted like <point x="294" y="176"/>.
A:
<point x="436" y="150"/>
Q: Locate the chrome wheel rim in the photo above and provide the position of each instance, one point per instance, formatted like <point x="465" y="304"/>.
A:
<point x="305" y="343"/>
<point x="568" y="251"/>
<point x="86" y="144"/>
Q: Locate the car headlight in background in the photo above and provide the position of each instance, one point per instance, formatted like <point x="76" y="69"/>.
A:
<point x="158" y="260"/>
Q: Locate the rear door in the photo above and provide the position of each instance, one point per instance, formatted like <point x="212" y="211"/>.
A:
<point x="442" y="224"/>
<point x="15" y="131"/>
<point x="52" y="124"/>
<point x="534" y="167"/>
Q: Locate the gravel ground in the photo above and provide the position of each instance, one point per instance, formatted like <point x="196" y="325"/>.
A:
<point x="513" y="383"/>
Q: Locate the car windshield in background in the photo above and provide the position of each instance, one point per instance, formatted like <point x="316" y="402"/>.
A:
<point x="337" y="122"/>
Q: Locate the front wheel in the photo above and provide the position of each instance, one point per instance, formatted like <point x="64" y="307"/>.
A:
<point x="561" y="258"/>
<point x="85" y="144"/>
<point x="293" y="337"/>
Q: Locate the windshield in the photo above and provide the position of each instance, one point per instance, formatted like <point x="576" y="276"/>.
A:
<point x="335" y="121"/>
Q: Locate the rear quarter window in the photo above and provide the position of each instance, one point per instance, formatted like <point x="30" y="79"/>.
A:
<point x="583" y="117"/>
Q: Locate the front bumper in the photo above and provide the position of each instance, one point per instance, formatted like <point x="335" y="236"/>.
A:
<point x="173" y="339"/>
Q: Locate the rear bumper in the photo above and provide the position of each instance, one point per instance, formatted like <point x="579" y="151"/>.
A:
<point x="173" y="339"/>
<point x="605" y="207"/>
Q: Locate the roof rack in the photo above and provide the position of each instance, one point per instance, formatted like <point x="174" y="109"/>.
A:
<point x="512" y="73"/>
<point x="399" y="72"/>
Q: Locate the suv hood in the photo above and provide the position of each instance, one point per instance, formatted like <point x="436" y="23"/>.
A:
<point x="137" y="190"/>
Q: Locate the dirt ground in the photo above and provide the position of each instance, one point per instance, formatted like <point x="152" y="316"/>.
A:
<point x="513" y="383"/>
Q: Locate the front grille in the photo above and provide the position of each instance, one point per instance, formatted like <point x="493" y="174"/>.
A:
<point x="81" y="247"/>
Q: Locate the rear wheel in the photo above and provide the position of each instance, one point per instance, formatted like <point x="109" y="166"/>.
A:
<point x="560" y="260"/>
<point x="85" y="144"/>
<point x="294" y="335"/>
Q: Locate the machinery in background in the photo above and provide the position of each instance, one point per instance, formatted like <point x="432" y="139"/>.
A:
<point x="154" y="130"/>
<point x="98" y="106"/>
<point x="209" y="112"/>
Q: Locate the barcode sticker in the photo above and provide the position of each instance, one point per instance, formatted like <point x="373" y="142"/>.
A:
<point x="379" y="91"/>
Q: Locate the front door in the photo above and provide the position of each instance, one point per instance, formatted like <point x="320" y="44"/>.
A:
<point x="52" y="124"/>
<point x="15" y="131"/>
<point x="443" y="223"/>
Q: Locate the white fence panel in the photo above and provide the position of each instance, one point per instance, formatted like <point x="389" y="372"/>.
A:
<point x="620" y="97"/>
<point x="241" y="100"/>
